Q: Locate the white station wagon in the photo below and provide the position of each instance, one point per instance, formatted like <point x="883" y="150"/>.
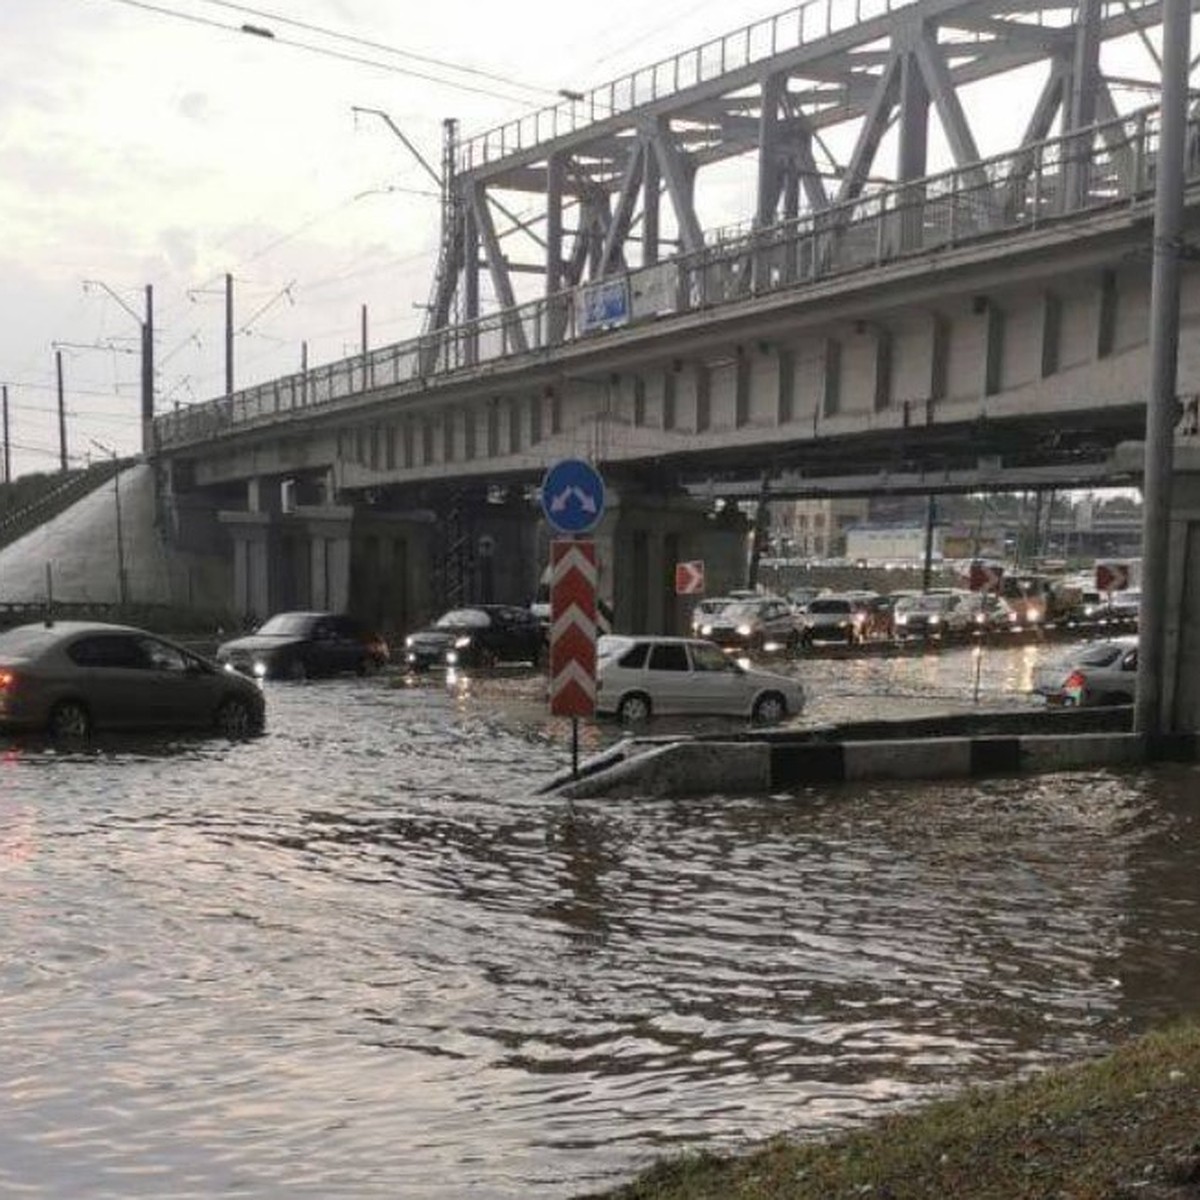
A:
<point x="640" y="677"/>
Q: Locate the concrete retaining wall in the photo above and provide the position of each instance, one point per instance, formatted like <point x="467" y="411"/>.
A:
<point x="745" y="767"/>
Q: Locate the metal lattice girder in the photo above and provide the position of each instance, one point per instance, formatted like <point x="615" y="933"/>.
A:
<point x="773" y="89"/>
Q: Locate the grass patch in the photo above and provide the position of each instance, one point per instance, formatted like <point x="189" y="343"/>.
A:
<point x="1124" y="1127"/>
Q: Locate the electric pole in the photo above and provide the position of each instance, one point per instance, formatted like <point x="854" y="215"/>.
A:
<point x="62" y="413"/>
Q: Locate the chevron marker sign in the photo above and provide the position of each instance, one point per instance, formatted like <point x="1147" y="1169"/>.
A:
<point x="572" y="628"/>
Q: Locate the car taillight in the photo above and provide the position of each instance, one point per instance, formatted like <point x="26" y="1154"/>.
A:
<point x="8" y="680"/>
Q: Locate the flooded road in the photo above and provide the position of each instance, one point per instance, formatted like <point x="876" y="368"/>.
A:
<point x="360" y="957"/>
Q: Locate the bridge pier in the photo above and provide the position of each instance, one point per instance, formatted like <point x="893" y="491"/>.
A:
<point x="641" y="539"/>
<point x="1181" y="651"/>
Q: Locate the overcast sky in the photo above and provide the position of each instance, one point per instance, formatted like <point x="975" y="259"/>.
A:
<point x="138" y="147"/>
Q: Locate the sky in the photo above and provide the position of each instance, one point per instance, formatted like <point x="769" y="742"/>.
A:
<point x="155" y="142"/>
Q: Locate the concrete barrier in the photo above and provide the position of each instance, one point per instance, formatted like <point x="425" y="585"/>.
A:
<point x="764" y="765"/>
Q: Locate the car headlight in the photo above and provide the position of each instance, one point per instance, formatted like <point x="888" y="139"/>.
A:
<point x="461" y="643"/>
<point x="706" y="630"/>
<point x="408" y="642"/>
<point x="260" y="669"/>
<point x="452" y="658"/>
<point x="1033" y="615"/>
<point x="934" y="619"/>
<point x="744" y="630"/>
<point x="1013" y="616"/>
<point x="901" y="618"/>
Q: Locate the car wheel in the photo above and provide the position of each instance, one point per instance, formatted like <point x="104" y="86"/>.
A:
<point x="234" y="718"/>
<point x="69" y="721"/>
<point x="769" y="709"/>
<point x="634" y="709"/>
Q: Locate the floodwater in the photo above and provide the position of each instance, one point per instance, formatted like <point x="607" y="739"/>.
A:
<point x="361" y="957"/>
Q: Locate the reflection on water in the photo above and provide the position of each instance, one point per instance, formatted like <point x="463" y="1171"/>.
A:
<point x="358" y="957"/>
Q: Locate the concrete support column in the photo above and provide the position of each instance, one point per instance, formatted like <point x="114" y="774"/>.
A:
<point x="638" y="544"/>
<point x="251" y="534"/>
<point x="1180" y="706"/>
<point x="329" y="529"/>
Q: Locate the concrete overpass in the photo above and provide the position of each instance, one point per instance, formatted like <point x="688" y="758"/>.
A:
<point x="982" y="327"/>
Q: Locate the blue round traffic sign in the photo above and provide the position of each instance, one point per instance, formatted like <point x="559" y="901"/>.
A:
<point x="573" y="496"/>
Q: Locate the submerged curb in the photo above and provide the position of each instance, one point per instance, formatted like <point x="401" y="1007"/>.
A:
<point x="769" y="765"/>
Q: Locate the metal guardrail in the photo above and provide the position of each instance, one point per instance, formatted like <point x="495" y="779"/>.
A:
<point x="1106" y="165"/>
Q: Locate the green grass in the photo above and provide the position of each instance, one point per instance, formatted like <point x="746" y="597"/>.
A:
<point x="1125" y="1127"/>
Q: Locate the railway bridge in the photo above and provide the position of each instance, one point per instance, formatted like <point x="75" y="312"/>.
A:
<point x="870" y="324"/>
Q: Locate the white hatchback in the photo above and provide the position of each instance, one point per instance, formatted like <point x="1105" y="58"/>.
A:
<point x="640" y="677"/>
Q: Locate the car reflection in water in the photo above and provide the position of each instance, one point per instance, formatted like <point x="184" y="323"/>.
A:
<point x="481" y="635"/>
<point x="71" y="678"/>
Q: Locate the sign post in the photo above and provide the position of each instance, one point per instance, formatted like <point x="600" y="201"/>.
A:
<point x="573" y="503"/>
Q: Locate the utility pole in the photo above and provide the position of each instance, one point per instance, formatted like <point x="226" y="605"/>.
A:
<point x="364" y="344"/>
<point x="228" y="334"/>
<point x="1148" y="717"/>
<point x="146" y="325"/>
<point x="930" y="522"/>
<point x="62" y="413"/>
<point x="148" y="364"/>
<point x="7" y="445"/>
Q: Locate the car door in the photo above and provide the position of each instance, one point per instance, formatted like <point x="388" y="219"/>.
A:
<point x="330" y="648"/>
<point x="717" y="686"/>
<point x="114" y="679"/>
<point x="183" y="693"/>
<point x="1115" y="682"/>
<point x="669" y="676"/>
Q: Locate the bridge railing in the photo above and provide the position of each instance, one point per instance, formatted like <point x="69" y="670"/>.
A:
<point x="1107" y="164"/>
<point x="751" y="44"/>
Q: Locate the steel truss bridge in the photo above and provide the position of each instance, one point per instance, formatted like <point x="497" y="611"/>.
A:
<point x="625" y="164"/>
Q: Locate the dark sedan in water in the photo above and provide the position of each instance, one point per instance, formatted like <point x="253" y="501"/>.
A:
<point x="299" y="645"/>
<point x="477" y="636"/>
<point x="70" y="678"/>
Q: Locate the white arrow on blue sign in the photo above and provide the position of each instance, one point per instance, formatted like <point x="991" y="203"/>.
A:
<point x="573" y="496"/>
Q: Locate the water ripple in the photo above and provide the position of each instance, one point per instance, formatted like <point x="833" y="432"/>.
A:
<point x="358" y="957"/>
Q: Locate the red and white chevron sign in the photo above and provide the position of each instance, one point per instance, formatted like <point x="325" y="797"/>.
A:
<point x="572" y="628"/>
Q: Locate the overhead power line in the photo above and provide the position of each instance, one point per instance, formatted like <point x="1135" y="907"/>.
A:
<point x="327" y="52"/>
<point x="371" y="45"/>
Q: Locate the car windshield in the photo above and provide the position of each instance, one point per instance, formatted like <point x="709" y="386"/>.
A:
<point x="464" y="618"/>
<point x="829" y="606"/>
<point x="742" y="610"/>
<point x="926" y="604"/>
<point x="28" y="639"/>
<point x="288" y="625"/>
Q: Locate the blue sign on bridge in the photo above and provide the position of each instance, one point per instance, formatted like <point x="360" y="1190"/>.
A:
<point x="573" y="496"/>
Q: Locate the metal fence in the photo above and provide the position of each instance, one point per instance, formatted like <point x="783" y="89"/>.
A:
<point x="1105" y="165"/>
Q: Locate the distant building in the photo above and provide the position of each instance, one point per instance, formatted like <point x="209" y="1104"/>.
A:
<point x="815" y="528"/>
